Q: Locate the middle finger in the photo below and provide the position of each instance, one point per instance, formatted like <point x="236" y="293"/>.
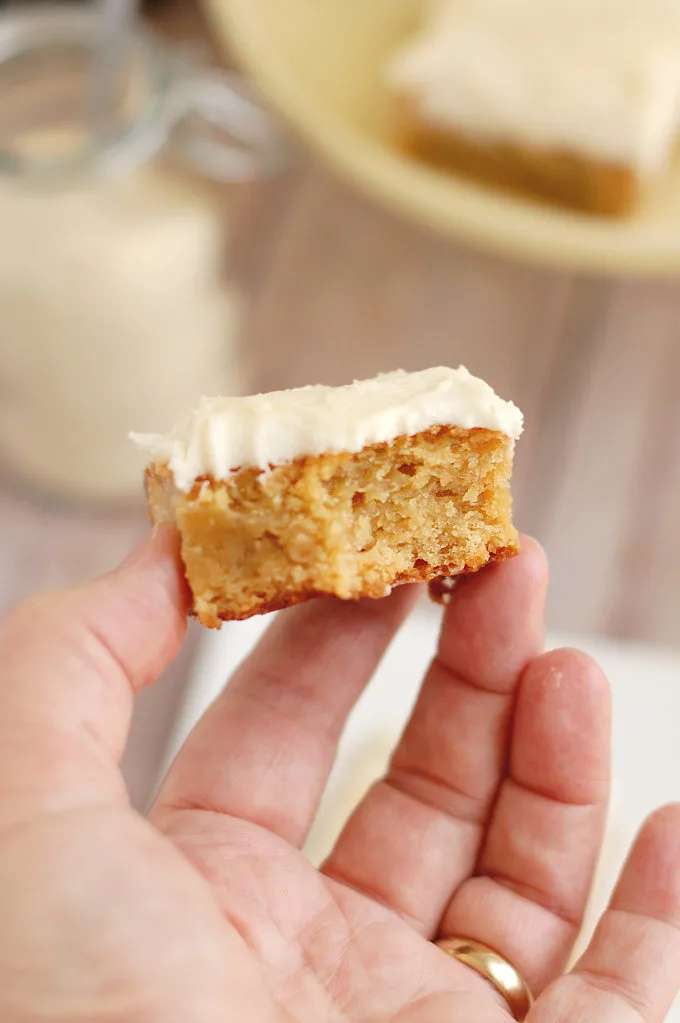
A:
<point x="416" y="836"/>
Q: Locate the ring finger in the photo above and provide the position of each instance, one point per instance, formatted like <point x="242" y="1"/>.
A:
<point x="529" y="891"/>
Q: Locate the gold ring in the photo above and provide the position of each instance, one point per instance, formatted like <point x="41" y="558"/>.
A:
<point x="494" y="968"/>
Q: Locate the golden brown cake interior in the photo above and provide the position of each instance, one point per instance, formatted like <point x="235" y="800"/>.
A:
<point x="561" y="178"/>
<point x="352" y="525"/>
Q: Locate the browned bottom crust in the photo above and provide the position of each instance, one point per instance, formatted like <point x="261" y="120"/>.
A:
<point x="558" y="177"/>
<point x="347" y="525"/>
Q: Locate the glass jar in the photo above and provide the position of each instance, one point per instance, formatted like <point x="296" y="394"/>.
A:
<point x="114" y="314"/>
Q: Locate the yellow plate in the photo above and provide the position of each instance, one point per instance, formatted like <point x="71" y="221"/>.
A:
<point x="320" y="62"/>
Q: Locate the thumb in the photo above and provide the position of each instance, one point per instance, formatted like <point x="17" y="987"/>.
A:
<point x="70" y="664"/>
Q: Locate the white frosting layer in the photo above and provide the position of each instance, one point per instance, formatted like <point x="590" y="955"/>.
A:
<point x="226" y="434"/>
<point x="597" y="77"/>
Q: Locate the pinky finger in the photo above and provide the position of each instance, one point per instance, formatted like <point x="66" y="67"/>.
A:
<point x="631" y="971"/>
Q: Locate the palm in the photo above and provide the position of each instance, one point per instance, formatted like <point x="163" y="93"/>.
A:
<point x="487" y="825"/>
<point x="325" y="951"/>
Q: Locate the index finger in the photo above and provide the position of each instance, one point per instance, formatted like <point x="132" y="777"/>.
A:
<point x="264" y="750"/>
<point x="70" y="664"/>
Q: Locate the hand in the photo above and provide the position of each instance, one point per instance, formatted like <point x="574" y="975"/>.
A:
<point x="488" y="824"/>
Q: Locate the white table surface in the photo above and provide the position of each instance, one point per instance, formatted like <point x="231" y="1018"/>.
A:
<point x="646" y="688"/>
